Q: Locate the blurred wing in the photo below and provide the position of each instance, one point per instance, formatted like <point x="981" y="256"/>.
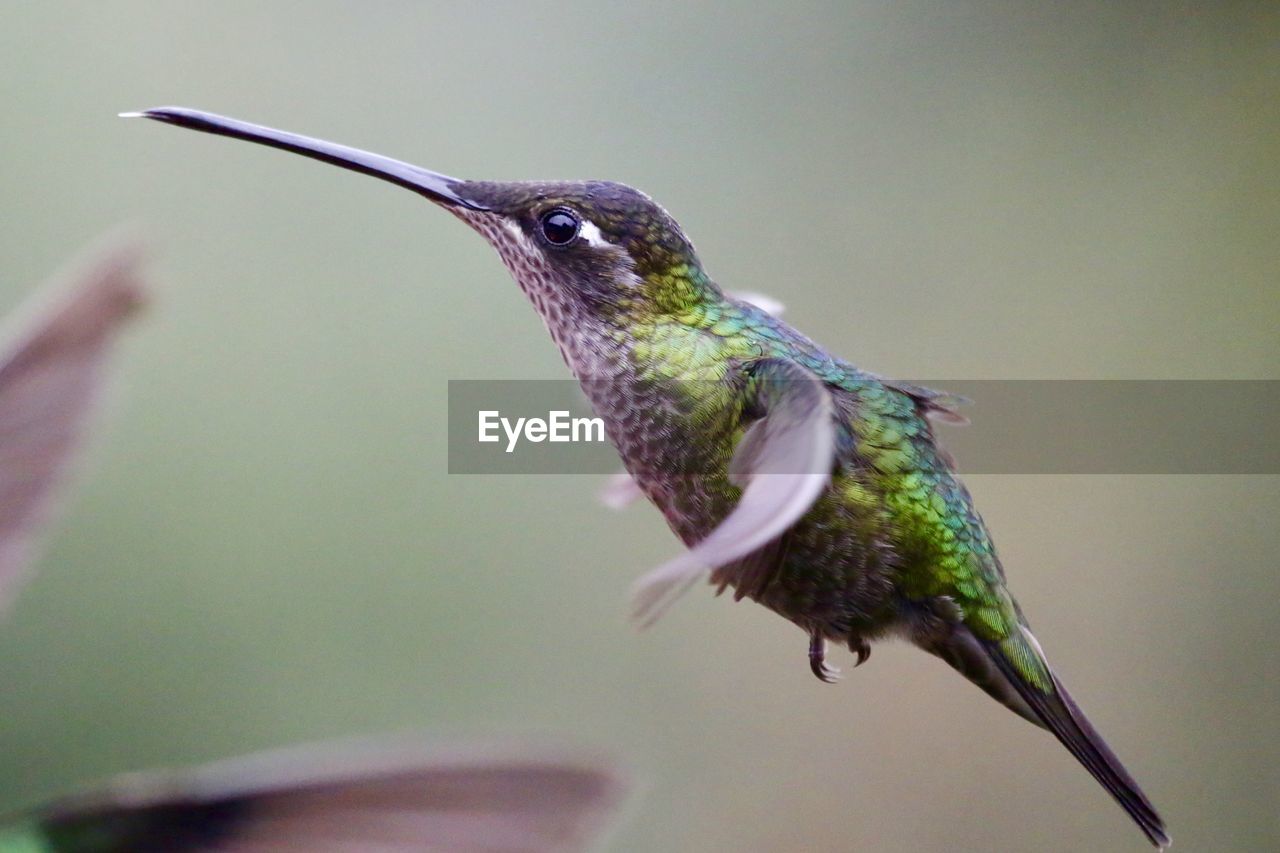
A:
<point x="765" y="303"/>
<point x="50" y="370"/>
<point x="938" y="406"/>
<point x="389" y="795"/>
<point x="620" y="491"/>
<point x="783" y="463"/>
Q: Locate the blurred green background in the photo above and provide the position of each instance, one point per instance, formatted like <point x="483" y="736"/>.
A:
<point x="268" y="548"/>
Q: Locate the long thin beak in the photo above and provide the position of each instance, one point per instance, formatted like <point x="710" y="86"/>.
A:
<point x="434" y="186"/>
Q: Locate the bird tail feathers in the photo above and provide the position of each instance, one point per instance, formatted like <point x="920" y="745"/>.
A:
<point x="1022" y="663"/>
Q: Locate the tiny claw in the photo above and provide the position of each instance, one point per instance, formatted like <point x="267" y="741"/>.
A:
<point x="817" y="661"/>
<point x="862" y="649"/>
<point x="826" y="674"/>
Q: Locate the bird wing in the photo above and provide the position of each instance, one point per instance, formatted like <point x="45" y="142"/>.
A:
<point x="936" y="405"/>
<point x="782" y="463"/>
<point x="620" y="491"/>
<point x="766" y="303"/>
<point x="391" y="794"/>
<point x="50" y="372"/>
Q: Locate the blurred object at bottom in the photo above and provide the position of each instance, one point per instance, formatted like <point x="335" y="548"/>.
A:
<point x="391" y="793"/>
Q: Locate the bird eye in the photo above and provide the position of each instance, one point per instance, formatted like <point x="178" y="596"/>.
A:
<point x="560" y="226"/>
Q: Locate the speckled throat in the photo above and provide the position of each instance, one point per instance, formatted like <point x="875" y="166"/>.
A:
<point x="647" y="421"/>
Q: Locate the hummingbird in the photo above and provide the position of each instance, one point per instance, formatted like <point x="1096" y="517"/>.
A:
<point x="802" y="482"/>
<point x="392" y="793"/>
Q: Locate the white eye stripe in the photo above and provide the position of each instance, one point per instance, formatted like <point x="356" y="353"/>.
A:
<point x="590" y="233"/>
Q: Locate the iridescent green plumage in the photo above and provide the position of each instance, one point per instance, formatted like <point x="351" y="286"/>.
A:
<point x="806" y="484"/>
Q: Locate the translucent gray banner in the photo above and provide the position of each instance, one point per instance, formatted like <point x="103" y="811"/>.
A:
<point x="1028" y="426"/>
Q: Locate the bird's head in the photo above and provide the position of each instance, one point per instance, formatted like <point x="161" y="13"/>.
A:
<point x="578" y="248"/>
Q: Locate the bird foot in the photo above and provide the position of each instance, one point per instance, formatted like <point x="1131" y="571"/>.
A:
<point x="817" y="660"/>
<point x="861" y="648"/>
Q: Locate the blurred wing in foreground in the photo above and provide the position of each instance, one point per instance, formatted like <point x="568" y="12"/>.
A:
<point x="389" y="794"/>
<point x="51" y="366"/>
